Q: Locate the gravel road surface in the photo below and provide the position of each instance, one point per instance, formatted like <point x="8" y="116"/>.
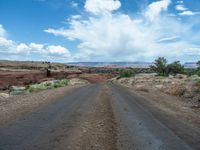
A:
<point x="98" y="117"/>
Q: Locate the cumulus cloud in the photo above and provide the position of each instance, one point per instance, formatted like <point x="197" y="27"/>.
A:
<point x="188" y="13"/>
<point x="181" y="7"/>
<point x="35" y="46"/>
<point x="155" y="8"/>
<point x="58" y="50"/>
<point x="120" y="37"/>
<point x="108" y="35"/>
<point x="15" y="49"/>
<point x="102" y="6"/>
<point x="183" y="11"/>
<point x="179" y="2"/>
<point x="74" y="4"/>
<point x="2" y="31"/>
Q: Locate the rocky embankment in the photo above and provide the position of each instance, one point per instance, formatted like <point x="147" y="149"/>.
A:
<point x="16" y="73"/>
<point x="186" y="88"/>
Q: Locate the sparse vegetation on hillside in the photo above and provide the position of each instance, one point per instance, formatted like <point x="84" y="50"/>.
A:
<point x="198" y="73"/>
<point x="198" y="64"/>
<point x="175" y="68"/>
<point x="48" y="85"/>
<point x="190" y="71"/>
<point x="198" y="69"/>
<point x="160" y="66"/>
<point x="163" y="69"/>
<point x="126" y="73"/>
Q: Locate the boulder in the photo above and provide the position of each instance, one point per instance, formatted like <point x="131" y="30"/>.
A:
<point x="49" y="82"/>
<point x="77" y="81"/>
<point x="171" y="76"/>
<point x="181" y="76"/>
<point x="160" y="86"/>
<point x="142" y="88"/>
<point x="146" y="75"/>
<point x="17" y="88"/>
<point x="4" y="95"/>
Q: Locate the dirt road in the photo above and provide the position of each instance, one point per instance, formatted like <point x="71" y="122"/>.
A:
<point x="99" y="117"/>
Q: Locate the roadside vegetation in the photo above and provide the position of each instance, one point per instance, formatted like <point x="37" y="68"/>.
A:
<point x="48" y="85"/>
<point x="161" y="68"/>
<point x="170" y="78"/>
<point x="39" y="87"/>
<point x="123" y="73"/>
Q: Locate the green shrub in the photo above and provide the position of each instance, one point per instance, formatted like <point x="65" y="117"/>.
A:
<point x="190" y="71"/>
<point x="160" y="66"/>
<point x="38" y="87"/>
<point x="42" y="86"/>
<point x="198" y="64"/>
<point x="175" y="68"/>
<point x="64" y="82"/>
<point x="198" y="73"/>
<point x="126" y="73"/>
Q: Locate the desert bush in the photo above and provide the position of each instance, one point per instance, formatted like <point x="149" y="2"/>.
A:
<point x="60" y="83"/>
<point x="176" y="89"/>
<point x="198" y="64"/>
<point x="64" y="82"/>
<point x="175" y="68"/>
<point x="38" y="87"/>
<point x="125" y="73"/>
<point x="190" y="71"/>
<point x="163" y="69"/>
<point x="44" y="86"/>
<point x="196" y="87"/>
<point x="160" y="66"/>
<point x="198" y="73"/>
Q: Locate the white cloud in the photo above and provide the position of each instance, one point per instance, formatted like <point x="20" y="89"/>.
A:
<point x="102" y="6"/>
<point x="74" y="4"/>
<point x="2" y="31"/>
<point x="179" y="2"/>
<point x="183" y="11"/>
<point x="108" y="36"/>
<point x="36" y="46"/>
<point x="22" y="48"/>
<point x="56" y="49"/>
<point x="119" y="37"/>
<point x="168" y="39"/>
<point x="18" y="50"/>
<point x="6" y="43"/>
<point x="181" y="7"/>
<point x="155" y="8"/>
<point x="188" y="13"/>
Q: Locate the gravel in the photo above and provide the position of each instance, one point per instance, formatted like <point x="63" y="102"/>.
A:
<point x="15" y="106"/>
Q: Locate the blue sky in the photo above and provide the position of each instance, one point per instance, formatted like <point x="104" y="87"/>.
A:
<point x="100" y="30"/>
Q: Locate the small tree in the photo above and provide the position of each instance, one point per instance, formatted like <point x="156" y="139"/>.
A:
<point x="198" y="68"/>
<point x="198" y="64"/>
<point x="175" y="68"/>
<point x="160" y="66"/>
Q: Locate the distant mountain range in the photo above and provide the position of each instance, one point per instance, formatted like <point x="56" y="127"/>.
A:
<point x="112" y="64"/>
<point x="123" y="64"/>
